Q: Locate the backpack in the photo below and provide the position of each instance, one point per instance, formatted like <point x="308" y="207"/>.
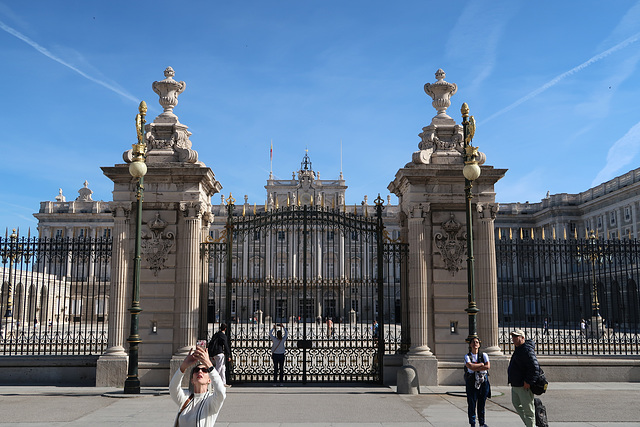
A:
<point x="541" y="413"/>
<point x="467" y="374"/>
<point x="214" y="344"/>
<point x="540" y="386"/>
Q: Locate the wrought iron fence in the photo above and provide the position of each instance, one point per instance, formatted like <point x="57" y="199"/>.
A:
<point x="573" y="297"/>
<point x="314" y="270"/>
<point x="54" y="295"/>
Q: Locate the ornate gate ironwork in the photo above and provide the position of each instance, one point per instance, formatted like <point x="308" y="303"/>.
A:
<point x="324" y="274"/>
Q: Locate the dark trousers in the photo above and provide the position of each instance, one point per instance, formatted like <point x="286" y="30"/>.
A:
<point x="476" y="397"/>
<point x="278" y="365"/>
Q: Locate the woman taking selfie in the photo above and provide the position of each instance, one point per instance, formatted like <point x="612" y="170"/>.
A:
<point x="200" y="408"/>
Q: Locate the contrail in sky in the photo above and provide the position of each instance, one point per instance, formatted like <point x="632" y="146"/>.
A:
<point x="562" y="76"/>
<point x="45" y="52"/>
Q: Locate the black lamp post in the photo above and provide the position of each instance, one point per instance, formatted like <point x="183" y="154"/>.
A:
<point x="595" y="254"/>
<point x="471" y="172"/>
<point x="137" y="169"/>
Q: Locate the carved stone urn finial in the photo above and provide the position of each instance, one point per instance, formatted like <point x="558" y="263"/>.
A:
<point x="441" y="92"/>
<point x="168" y="89"/>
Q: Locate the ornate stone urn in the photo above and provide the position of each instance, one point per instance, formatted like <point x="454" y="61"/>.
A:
<point x="441" y="92"/>
<point x="168" y="89"/>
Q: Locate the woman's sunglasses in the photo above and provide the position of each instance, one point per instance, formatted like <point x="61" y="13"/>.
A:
<point x="203" y="370"/>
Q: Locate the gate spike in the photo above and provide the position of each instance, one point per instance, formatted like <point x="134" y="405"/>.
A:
<point x="499" y="233"/>
<point x="542" y="233"/>
<point x="254" y="209"/>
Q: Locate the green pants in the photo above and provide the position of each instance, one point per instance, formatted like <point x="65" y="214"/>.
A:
<point x="522" y="400"/>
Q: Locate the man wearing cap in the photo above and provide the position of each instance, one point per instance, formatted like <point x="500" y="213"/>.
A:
<point x="522" y="372"/>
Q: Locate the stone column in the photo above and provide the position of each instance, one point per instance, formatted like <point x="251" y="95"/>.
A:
<point x="634" y="219"/>
<point x="486" y="279"/>
<point x="418" y="284"/>
<point x="187" y="301"/>
<point x="111" y="370"/>
<point x="267" y="258"/>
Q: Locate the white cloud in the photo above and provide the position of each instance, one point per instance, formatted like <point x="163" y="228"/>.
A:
<point x="50" y="55"/>
<point x="479" y="29"/>
<point x="634" y="38"/>
<point x="621" y="153"/>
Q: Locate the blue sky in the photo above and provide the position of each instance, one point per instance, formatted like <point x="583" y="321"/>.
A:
<point x="554" y="89"/>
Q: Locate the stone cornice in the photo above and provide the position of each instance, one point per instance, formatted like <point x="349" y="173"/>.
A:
<point x="424" y="174"/>
<point x="168" y="172"/>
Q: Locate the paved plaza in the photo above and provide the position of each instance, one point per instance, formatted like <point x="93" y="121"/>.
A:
<point x="568" y="405"/>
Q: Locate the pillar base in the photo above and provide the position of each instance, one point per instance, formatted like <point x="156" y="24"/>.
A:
<point x="498" y="371"/>
<point x="111" y="371"/>
<point x="425" y="368"/>
<point x="174" y="365"/>
<point x="407" y="380"/>
<point x="596" y="328"/>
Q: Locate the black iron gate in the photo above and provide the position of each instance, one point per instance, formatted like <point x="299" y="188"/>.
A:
<point x="324" y="274"/>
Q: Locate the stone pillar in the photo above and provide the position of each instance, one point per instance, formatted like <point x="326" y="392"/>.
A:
<point x="486" y="278"/>
<point x="111" y="370"/>
<point x="176" y="207"/>
<point x="431" y="190"/>
<point x="418" y="299"/>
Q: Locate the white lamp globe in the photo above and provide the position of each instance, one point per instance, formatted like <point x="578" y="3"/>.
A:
<point x="471" y="171"/>
<point x="137" y="169"/>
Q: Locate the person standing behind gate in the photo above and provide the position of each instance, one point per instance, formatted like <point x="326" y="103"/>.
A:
<point x="477" y="381"/>
<point x="522" y="372"/>
<point x="221" y="350"/>
<point x="278" y="348"/>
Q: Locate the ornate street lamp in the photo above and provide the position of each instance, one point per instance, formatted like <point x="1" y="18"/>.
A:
<point x="471" y="172"/>
<point x="137" y="169"/>
<point x="595" y="253"/>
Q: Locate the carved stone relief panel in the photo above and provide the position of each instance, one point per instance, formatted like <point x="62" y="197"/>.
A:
<point x="452" y="244"/>
<point x="155" y="246"/>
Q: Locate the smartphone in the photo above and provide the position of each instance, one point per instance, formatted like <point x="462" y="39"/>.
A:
<point x="201" y="343"/>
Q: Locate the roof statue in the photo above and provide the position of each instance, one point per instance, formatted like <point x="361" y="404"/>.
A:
<point x="84" y="193"/>
<point x="60" y="197"/>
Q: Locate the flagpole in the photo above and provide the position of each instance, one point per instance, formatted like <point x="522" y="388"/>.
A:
<point x="341" y="159"/>
<point x="271" y="159"/>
